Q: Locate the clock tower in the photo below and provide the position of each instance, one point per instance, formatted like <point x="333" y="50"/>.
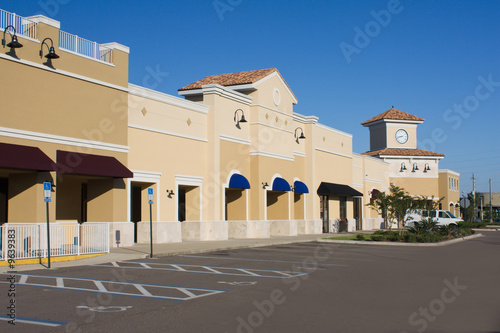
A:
<point x="393" y="129"/>
<point x="393" y="139"/>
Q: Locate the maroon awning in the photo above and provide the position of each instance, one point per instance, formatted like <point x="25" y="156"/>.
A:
<point x="375" y="193"/>
<point x="72" y="163"/>
<point x="24" y="157"/>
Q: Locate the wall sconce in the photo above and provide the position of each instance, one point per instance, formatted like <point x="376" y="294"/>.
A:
<point x="264" y="185"/>
<point x="426" y="167"/>
<point x="415" y="167"/>
<point x="14" y="44"/>
<point x="52" y="54"/>
<point x="170" y="193"/>
<point x="403" y="167"/>
<point x="301" y="134"/>
<point x="239" y="120"/>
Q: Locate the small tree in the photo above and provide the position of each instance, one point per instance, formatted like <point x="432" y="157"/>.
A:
<point x="399" y="202"/>
<point x="394" y="205"/>
<point x="381" y="204"/>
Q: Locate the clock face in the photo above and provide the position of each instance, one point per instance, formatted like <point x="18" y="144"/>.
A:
<point x="401" y="136"/>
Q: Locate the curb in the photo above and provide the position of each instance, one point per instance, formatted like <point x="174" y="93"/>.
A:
<point x="448" y="242"/>
<point x="32" y="261"/>
<point x="226" y="248"/>
<point x="487" y="229"/>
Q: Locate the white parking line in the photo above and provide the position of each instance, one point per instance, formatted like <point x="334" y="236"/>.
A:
<point x="257" y="260"/>
<point x="143" y="289"/>
<point x="235" y="271"/>
<point x="34" y="321"/>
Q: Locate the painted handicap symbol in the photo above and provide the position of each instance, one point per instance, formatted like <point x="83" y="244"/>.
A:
<point x="104" y="308"/>
<point x="241" y="283"/>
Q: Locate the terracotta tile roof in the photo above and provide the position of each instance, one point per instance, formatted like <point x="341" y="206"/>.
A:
<point x="231" y="79"/>
<point x="393" y="114"/>
<point x="402" y="152"/>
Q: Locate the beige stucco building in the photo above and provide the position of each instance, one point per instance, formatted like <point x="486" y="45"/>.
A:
<point x="228" y="159"/>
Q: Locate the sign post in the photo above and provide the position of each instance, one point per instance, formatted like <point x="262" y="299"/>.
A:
<point x="150" y="199"/>
<point x="47" y="193"/>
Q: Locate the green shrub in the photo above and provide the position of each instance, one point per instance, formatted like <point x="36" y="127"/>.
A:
<point x="394" y="237"/>
<point x="411" y="237"/>
<point x="360" y="237"/>
<point x="379" y="232"/>
<point x="377" y="238"/>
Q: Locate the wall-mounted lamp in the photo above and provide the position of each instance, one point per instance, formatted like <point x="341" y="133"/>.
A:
<point x="52" y="54"/>
<point x="264" y="185"/>
<point x="14" y="44"/>
<point x="415" y="167"/>
<point x="239" y="120"/>
<point x="403" y="167"/>
<point x="301" y="134"/>
<point x="426" y="167"/>
<point x="170" y="193"/>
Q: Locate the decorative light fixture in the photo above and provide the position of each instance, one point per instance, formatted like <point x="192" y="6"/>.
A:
<point x="264" y="185"/>
<point x="403" y="167"/>
<point x="415" y="167"/>
<point x="239" y="120"/>
<point x="301" y="134"/>
<point x="170" y="193"/>
<point x="426" y="167"/>
<point x="14" y="44"/>
<point x="52" y="54"/>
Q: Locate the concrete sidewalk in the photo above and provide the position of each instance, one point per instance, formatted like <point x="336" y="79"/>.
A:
<point x="139" y="251"/>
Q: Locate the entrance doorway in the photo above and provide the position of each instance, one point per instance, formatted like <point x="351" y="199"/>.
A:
<point x="83" y="203"/>
<point x="357" y="205"/>
<point x="189" y="203"/>
<point x="236" y="208"/>
<point x="136" y="208"/>
<point x="324" y="213"/>
<point x="4" y="200"/>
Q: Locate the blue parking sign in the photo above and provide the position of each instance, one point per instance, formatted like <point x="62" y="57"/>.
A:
<point x="47" y="186"/>
<point x="47" y="191"/>
<point x="150" y="196"/>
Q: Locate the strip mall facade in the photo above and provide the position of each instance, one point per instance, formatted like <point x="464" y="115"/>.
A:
<point x="228" y="159"/>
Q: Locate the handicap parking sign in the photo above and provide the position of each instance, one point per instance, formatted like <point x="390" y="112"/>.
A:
<point x="150" y="196"/>
<point x="47" y="191"/>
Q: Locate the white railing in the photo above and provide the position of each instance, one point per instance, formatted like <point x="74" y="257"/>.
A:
<point x="30" y="241"/>
<point x="23" y="26"/>
<point x="84" y="47"/>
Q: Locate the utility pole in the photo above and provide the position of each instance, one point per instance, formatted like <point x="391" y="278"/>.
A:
<point x="474" y="207"/>
<point x="491" y="196"/>
<point x="491" y="207"/>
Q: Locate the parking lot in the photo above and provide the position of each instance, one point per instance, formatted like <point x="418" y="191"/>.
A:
<point x="307" y="287"/>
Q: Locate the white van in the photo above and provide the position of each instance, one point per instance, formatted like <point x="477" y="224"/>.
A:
<point x="443" y="217"/>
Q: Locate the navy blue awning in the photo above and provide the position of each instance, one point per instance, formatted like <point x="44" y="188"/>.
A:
<point x="238" y="181"/>
<point x="279" y="184"/>
<point x="300" y="187"/>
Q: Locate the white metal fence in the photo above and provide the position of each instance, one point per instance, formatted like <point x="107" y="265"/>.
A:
<point x="84" y="47"/>
<point x="30" y="241"/>
<point x="23" y="26"/>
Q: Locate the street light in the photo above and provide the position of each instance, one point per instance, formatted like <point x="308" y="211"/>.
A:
<point x="239" y="120"/>
<point x="491" y="206"/>
<point x="301" y="136"/>
<point x="14" y="44"/>
<point x="52" y="54"/>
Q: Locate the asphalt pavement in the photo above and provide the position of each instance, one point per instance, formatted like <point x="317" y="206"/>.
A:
<point x="296" y="287"/>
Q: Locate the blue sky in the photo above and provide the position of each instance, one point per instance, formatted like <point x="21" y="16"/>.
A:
<point x="346" y="61"/>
